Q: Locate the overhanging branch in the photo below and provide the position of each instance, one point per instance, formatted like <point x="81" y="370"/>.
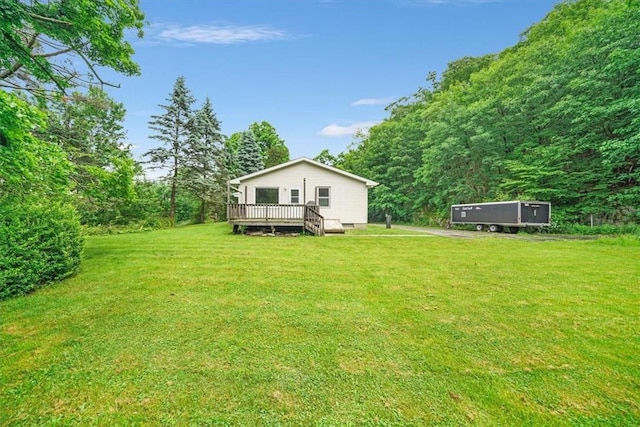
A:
<point x="48" y="19"/>
<point x="17" y="65"/>
<point x="51" y="54"/>
<point x="94" y="72"/>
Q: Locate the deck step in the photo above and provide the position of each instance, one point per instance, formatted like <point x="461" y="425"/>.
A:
<point x="333" y="226"/>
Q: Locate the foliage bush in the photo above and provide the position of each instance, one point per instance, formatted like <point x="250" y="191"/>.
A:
<point x="604" y="229"/>
<point x="39" y="244"/>
<point x="148" y="224"/>
<point x="563" y="223"/>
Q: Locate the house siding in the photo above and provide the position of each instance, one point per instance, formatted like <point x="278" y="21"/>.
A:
<point x="348" y="197"/>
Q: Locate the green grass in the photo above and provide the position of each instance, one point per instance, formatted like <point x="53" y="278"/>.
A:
<point x="196" y="326"/>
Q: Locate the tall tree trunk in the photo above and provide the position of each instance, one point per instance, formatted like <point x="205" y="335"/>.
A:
<point x="172" y="205"/>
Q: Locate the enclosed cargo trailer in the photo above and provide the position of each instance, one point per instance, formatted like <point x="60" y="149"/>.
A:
<point x="496" y="215"/>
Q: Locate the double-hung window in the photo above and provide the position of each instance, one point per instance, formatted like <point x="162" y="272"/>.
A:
<point x="323" y="197"/>
<point x="294" y="196"/>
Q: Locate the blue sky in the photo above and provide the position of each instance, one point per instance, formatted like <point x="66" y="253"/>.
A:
<point x="317" y="70"/>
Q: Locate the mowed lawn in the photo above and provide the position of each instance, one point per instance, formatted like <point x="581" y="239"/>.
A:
<point x="196" y="326"/>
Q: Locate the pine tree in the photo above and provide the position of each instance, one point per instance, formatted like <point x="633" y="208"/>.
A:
<point x="172" y="129"/>
<point x="204" y="164"/>
<point x="230" y="162"/>
<point x="231" y="144"/>
<point x="249" y="156"/>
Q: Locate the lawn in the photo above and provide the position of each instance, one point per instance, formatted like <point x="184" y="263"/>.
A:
<point x="196" y="326"/>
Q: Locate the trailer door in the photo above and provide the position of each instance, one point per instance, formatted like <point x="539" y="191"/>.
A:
<point x="534" y="213"/>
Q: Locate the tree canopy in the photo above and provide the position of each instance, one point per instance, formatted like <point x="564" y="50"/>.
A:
<point x="37" y="39"/>
<point x="89" y="128"/>
<point x="273" y="149"/>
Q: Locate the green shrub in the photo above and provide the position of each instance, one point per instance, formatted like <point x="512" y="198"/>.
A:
<point x="148" y="224"/>
<point x="604" y="229"/>
<point x="39" y="244"/>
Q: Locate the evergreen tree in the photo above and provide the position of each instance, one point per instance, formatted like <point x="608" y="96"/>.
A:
<point x="204" y="164"/>
<point x="249" y="157"/>
<point x="172" y="129"/>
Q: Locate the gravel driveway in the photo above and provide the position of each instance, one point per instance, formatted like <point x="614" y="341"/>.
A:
<point x="464" y="234"/>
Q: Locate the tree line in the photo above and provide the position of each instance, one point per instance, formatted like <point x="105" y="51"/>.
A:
<point x="555" y="118"/>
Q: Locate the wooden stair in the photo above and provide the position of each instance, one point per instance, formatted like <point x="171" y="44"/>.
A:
<point x="313" y="221"/>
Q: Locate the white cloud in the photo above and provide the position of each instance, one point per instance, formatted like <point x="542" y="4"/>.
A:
<point x="217" y="34"/>
<point x="338" y="131"/>
<point x="373" y="101"/>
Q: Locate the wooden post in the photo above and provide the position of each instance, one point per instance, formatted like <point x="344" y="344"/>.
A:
<point x="229" y="200"/>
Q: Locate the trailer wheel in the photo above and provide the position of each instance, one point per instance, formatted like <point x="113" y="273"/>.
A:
<point x="514" y="230"/>
<point x="494" y="228"/>
<point x="479" y="227"/>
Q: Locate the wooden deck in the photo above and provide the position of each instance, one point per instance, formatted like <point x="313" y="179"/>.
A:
<point x="272" y="215"/>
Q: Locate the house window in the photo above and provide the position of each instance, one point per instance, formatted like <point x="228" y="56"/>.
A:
<point x="323" y="196"/>
<point x="267" y="195"/>
<point x="295" y="196"/>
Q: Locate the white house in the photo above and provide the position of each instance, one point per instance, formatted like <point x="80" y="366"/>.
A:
<point x="336" y="194"/>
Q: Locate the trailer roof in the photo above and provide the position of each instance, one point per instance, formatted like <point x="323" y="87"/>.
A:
<point x="501" y="203"/>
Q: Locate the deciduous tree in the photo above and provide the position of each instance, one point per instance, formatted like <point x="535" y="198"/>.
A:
<point x="89" y="128"/>
<point x="553" y="117"/>
<point x="57" y="44"/>
<point x="272" y="147"/>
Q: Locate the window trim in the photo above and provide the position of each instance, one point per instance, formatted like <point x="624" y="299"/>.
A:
<point x="328" y="197"/>
<point x="267" y="188"/>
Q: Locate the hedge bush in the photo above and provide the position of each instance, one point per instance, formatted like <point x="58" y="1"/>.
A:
<point x="38" y="245"/>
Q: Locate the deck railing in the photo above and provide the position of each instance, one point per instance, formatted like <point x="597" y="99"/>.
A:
<point x="313" y="221"/>
<point x="265" y="213"/>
